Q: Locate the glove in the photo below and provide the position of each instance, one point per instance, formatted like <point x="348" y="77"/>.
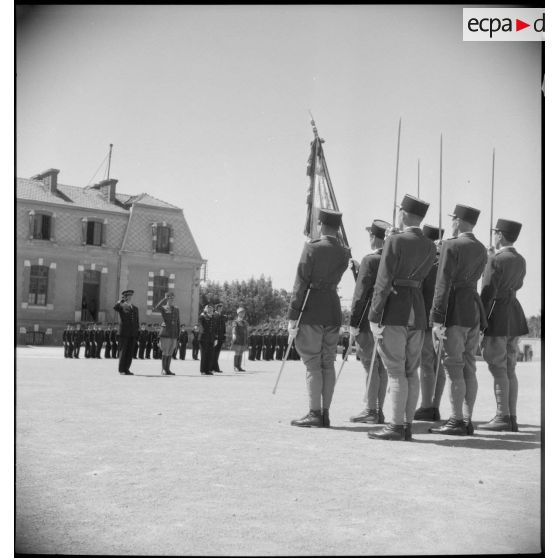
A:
<point x="292" y="329"/>
<point x="233" y="340"/>
<point x="376" y="330"/>
<point x="354" y="331"/>
<point x="438" y="332"/>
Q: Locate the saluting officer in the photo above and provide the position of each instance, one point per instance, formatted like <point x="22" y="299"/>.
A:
<point x="239" y="338"/>
<point x="360" y="327"/>
<point x="457" y="316"/>
<point x="168" y="336"/>
<point x="322" y="264"/>
<point x="431" y="394"/>
<point x="182" y="342"/>
<point x="397" y="314"/>
<point x="503" y="277"/>
<point x="128" y="332"/>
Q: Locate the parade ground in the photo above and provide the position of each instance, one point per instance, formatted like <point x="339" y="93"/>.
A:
<point x="210" y="465"/>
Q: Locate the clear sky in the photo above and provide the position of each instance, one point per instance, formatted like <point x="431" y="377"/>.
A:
<point x="207" y="108"/>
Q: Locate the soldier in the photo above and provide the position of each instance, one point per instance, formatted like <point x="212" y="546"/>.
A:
<point x="182" y="341"/>
<point x="108" y="346"/>
<point x="142" y="340"/>
<point x="128" y="332"/>
<point x="266" y="343"/>
<point x="114" y="341"/>
<point x="207" y="340"/>
<point x="220" y="329"/>
<point x="168" y="336"/>
<point x="457" y="315"/>
<point x="360" y="327"/>
<point x="259" y="343"/>
<point x="397" y="315"/>
<point x="99" y="338"/>
<point x="195" y="342"/>
<point x="87" y="340"/>
<point x="66" y="340"/>
<point x="77" y="339"/>
<point x="503" y="277"/>
<point x="252" y="345"/>
<point x="322" y="264"/>
<point x="239" y="338"/>
<point x="431" y="394"/>
<point x="155" y="341"/>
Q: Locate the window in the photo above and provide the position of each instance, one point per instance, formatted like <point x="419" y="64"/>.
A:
<point x="163" y="239"/>
<point x="160" y="287"/>
<point x="94" y="234"/>
<point x="41" y="226"/>
<point x="38" y="285"/>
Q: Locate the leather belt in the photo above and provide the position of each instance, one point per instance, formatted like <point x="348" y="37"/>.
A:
<point x="413" y="283"/>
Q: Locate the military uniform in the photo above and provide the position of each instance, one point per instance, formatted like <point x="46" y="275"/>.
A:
<point x="219" y="328"/>
<point x="182" y="342"/>
<point x="143" y="334"/>
<point x="87" y="341"/>
<point x="458" y="307"/>
<point x="114" y="341"/>
<point x="259" y="344"/>
<point x="252" y="346"/>
<point x="322" y="264"/>
<point x="66" y="340"/>
<point x="207" y="341"/>
<point x="168" y="335"/>
<point x="107" y="335"/>
<point x="239" y="339"/>
<point x="503" y="277"/>
<point x="195" y="343"/>
<point x="367" y="272"/>
<point x="431" y="394"/>
<point x="128" y="331"/>
<point x="77" y="340"/>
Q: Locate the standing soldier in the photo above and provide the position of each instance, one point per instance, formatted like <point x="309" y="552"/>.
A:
<point x="239" y="338"/>
<point x="397" y="315"/>
<point x="99" y="338"/>
<point x="252" y="346"/>
<point x="266" y="343"/>
<point x="503" y="277"/>
<point x="207" y="340"/>
<point x="66" y="335"/>
<point x="220" y="329"/>
<point x="87" y="341"/>
<point x="322" y="264"/>
<point x="149" y="342"/>
<point x="360" y="327"/>
<point x="77" y="339"/>
<point x="457" y="316"/>
<point x="169" y="331"/>
<point x="142" y="340"/>
<point x="114" y="341"/>
<point x="128" y="332"/>
<point x="182" y="341"/>
<point x="431" y="394"/>
<point x="259" y="343"/>
<point x="107" y="334"/>
<point x="195" y="342"/>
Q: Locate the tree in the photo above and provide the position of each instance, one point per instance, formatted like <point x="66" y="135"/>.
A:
<point x="535" y="327"/>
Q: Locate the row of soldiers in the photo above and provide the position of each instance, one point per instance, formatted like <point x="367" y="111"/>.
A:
<point x="96" y="336"/>
<point x="415" y="305"/>
<point x="270" y="344"/>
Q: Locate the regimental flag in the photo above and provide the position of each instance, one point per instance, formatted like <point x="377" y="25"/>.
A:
<point x="320" y="193"/>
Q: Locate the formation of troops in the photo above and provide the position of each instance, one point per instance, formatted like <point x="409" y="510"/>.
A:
<point x="266" y="343"/>
<point x="415" y="306"/>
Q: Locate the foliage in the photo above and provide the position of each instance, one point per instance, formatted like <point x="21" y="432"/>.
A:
<point x="263" y="303"/>
<point x="535" y="327"/>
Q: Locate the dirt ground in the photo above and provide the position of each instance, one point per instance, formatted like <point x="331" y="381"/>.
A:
<point x="209" y="465"/>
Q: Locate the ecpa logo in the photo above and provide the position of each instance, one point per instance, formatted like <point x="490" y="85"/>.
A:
<point x="503" y="24"/>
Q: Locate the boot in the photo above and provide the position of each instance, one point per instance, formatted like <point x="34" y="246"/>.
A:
<point x="514" y="425"/>
<point x="236" y="364"/>
<point x="425" y="414"/>
<point x="453" y="427"/>
<point x="313" y="418"/>
<point x="499" y="423"/>
<point x="381" y="417"/>
<point x="240" y="369"/>
<point x="436" y="414"/>
<point x="368" y="415"/>
<point x="325" y="418"/>
<point x="168" y="370"/>
<point x="470" y="427"/>
<point x="389" y="432"/>
<point x="408" y="431"/>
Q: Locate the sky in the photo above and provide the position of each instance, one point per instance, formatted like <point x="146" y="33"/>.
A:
<point x="207" y="108"/>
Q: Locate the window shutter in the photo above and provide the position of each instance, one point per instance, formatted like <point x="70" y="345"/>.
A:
<point x="31" y="223"/>
<point x="171" y="240"/>
<point x="84" y="231"/>
<point x="104" y="234"/>
<point x="154" y="237"/>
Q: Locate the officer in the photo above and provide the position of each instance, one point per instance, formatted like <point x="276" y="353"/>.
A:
<point x="128" y="332"/>
<point x="360" y="327"/>
<point x="431" y="394"/>
<point x="168" y="336"/>
<point x="182" y="342"/>
<point x="207" y="340"/>
<point x="239" y="338"/>
<point x="503" y="277"/>
<point x="219" y="328"/>
<point x="195" y="342"/>
<point x="397" y="315"/>
<point x="457" y="316"/>
<point x="322" y="264"/>
<point x="107" y="334"/>
<point x="99" y="338"/>
<point x="77" y="339"/>
<point x="142" y="340"/>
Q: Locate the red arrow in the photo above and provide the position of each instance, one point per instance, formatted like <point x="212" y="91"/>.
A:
<point x="519" y="25"/>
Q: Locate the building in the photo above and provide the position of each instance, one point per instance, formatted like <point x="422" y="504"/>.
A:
<point x="78" y="248"/>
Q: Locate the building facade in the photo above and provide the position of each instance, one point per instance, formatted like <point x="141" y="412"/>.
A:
<point x="78" y="248"/>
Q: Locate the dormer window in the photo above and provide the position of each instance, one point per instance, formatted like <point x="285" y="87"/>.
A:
<point x="162" y="244"/>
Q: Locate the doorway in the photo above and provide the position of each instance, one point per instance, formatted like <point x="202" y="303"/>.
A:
<point x="90" y="296"/>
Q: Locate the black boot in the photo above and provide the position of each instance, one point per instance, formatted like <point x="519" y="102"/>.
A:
<point x="389" y="432"/>
<point x="499" y="423"/>
<point x="169" y="373"/>
<point x="514" y="425"/>
<point x="381" y="417"/>
<point x="425" y="414"/>
<point x="240" y="369"/>
<point x="453" y="427"/>
<point x="325" y="418"/>
<point x="236" y="364"/>
<point x="408" y="431"/>
<point x="313" y="418"/>
<point x="470" y="427"/>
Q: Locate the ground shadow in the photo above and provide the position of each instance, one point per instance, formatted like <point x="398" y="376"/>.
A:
<point x="475" y="442"/>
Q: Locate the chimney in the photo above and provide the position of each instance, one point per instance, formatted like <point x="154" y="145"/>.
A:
<point x="107" y="188"/>
<point x="49" y="178"/>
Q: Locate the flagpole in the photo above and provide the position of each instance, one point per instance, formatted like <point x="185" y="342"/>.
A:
<point x="396" y="171"/>
<point x="440" y="195"/>
<point x="492" y="198"/>
<point x="418" y="179"/>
